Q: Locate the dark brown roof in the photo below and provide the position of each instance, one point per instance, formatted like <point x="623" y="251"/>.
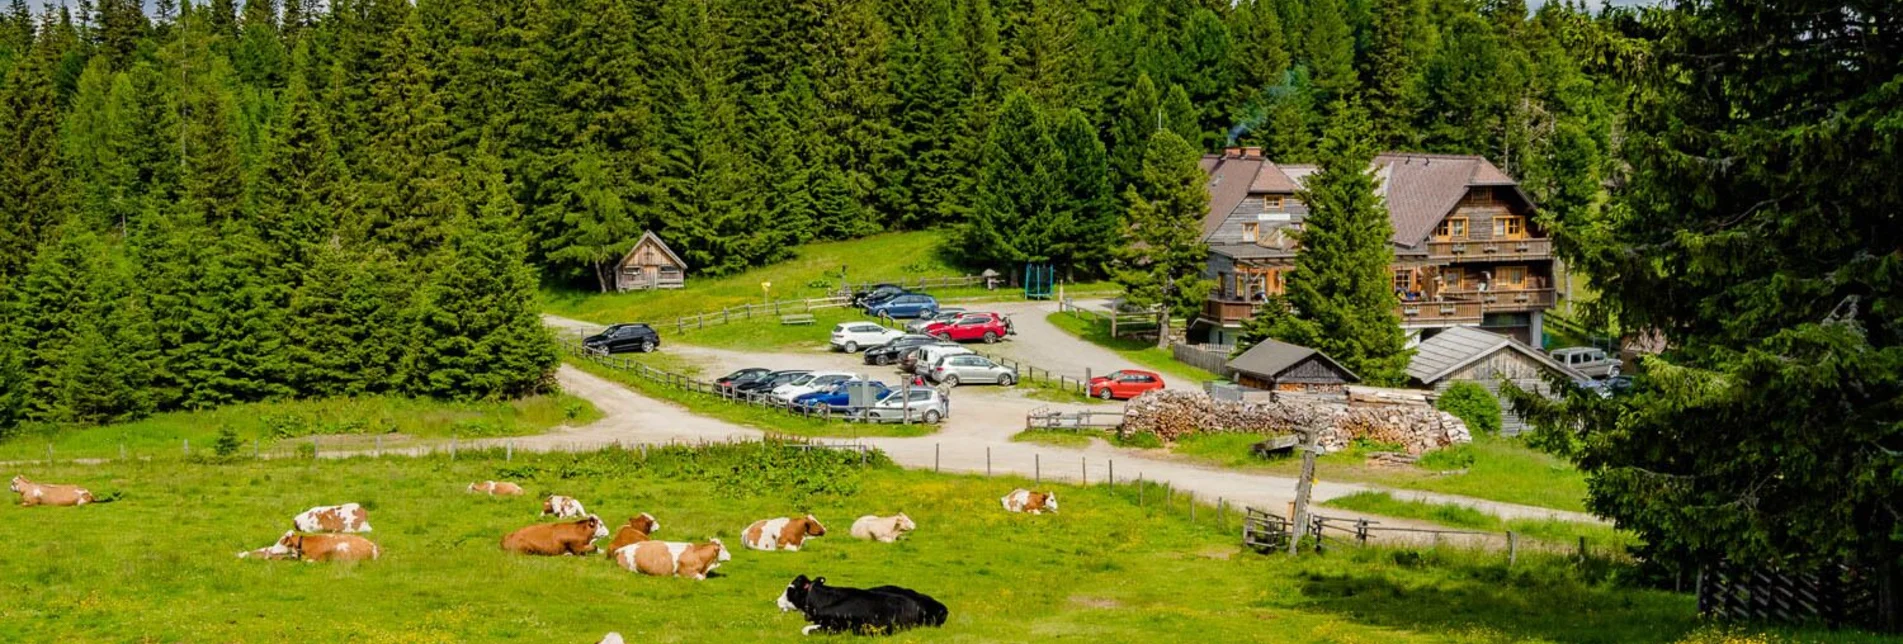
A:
<point x="1272" y="180"/>
<point x="1229" y="179"/>
<point x="1420" y="189"/>
<point x="1269" y="358"/>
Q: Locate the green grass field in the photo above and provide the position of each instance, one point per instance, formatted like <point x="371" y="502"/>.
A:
<point x="764" y="419"/>
<point x="1140" y="352"/>
<point x="348" y="420"/>
<point x="159" y="565"/>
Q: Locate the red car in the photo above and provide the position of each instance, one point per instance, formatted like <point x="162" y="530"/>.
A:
<point x="1125" y="384"/>
<point x="971" y="327"/>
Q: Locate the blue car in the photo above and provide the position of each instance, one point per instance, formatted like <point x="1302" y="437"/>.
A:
<point x="909" y="305"/>
<point x="838" y="396"/>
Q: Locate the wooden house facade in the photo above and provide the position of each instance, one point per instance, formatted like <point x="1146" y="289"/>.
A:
<point x="1468" y="354"/>
<point x="1279" y="366"/>
<point x="650" y="264"/>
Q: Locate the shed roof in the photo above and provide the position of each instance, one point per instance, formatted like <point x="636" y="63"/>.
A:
<point x="645" y="237"/>
<point x="1271" y="357"/>
<point x="1455" y="348"/>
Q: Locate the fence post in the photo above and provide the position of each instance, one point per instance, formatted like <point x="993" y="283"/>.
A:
<point x="1140" y="489"/>
<point x="314" y="447"/>
<point x="1582" y="548"/>
<point x="987" y="460"/>
<point x="188" y="447"/>
<point x="49" y="453"/>
<point x="1192" y="507"/>
<point x="1113" y="475"/>
<point x="452" y="447"/>
<point x="1037" y="468"/>
<point x="379" y="445"/>
<point x="1083" y="470"/>
<point x="935" y="458"/>
<point x="508" y="451"/>
<point x="1221" y="519"/>
<point x="1513" y="548"/>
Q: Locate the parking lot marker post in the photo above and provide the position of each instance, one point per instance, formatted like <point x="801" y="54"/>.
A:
<point x="935" y="458"/>
<point x="987" y="460"/>
<point x="1083" y="470"/>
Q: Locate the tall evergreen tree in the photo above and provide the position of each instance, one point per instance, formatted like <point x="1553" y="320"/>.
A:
<point x="1139" y="115"/>
<point x="1398" y="27"/>
<point x="1329" y="48"/>
<point x="1087" y="198"/>
<point x="259" y="55"/>
<point x="1015" y="216"/>
<point x="302" y="190"/>
<point x="1260" y="58"/>
<point x="1161" y="264"/>
<point x="929" y="100"/>
<point x="34" y="196"/>
<point x="1181" y="116"/>
<point x="598" y="229"/>
<point x="412" y="187"/>
<point x="1339" y="298"/>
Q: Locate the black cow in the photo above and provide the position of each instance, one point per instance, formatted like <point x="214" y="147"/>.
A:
<point x="871" y="611"/>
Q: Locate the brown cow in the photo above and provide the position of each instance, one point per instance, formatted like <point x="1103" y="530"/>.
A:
<point x="32" y="494"/>
<point x="782" y="533"/>
<point x="637" y="530"/>
<point x="572" y="538"/>
<point x="494" y="488"/>
<point x="348" y="517"/>
<point x="318" y="547"/>
<point x="1028" y="502"/>
<point x="670" y="558"/>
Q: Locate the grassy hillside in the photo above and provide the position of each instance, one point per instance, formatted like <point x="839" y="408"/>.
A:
<point x="347" y="420"/>
<point x="158" y="565"/>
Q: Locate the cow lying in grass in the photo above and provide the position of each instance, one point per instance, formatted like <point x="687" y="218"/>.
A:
<point x="348" y="517"/>
<point x="562" y="507"/>
<point x="883" y="529"/>
<point x="32" y="494"/>
<point x="637" y="530"/>
<point x="1026" y="501"/>
<point x="573" y="538"/>
<point x="317" y="547"/>
<point x="673" y="558"/>
<point x="781" y="534"/>
<point x="494" y="488"/>
<point x="871" y="611"/>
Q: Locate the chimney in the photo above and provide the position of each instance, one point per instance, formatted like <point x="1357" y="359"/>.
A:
<point x="1232" y="153"/>
<point x="1252" y="152"/>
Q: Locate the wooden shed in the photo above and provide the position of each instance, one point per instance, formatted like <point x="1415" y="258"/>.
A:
<point x="1465" y="353"/>
<point x="650" y="265"/>
<point x="1280" y="366"/>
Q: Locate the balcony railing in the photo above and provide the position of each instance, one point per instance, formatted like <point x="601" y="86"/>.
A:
<point x="1443" y="311"/>
<point x="1501" y="300"/>
<point x="1458" y="307"/>
<point x="1228" y="310"/>
<point x="1490" y="251"/>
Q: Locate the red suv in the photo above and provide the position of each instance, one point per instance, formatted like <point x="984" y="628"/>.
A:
<point x="971" y="327"/>
<point x="1125" y="384"/>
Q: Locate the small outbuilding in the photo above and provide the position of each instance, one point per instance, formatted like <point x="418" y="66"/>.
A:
<point x="650" y="265"/>
<point x="1469" y="354"/>
<point x="1280" y="366"/>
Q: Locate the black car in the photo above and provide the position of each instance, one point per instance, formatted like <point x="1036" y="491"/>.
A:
<point x="622" y="338"/>
<point x="877" y="294"/>
<point x="736" y="379"/>
<point x="890" y="352"/>
<point x="771" y="380"/>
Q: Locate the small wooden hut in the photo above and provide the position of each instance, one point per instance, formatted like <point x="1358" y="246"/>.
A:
<point x="650" y="265"/>
<point x="1280" y="366"/>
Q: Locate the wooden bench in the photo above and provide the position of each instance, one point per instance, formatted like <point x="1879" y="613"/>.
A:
<point x="797" y="318"/>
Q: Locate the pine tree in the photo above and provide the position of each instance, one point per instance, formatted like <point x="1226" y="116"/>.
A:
<point x="52" y="304"/>
<point x="1087" y="199"/>
<point x="1161" y="264"/>
<point x="96" y="142"/>
<point x="121" y="24"/>
<point x="1015" y="216"/>
<point x="598" y="228"/>
<point x="1339" y="298"/>
<point x="927" y="88"/>
<point x="1180" y="116"/>
<point x="1391" y="72"/>
<point x="34" y="195"/>
<point x="349" y="338"/>
<point x="1139" y="115"/>
<point x="259" y="55"/>
<point x="302" y="191"/>
<point x="786" y="158"/>
<point x="1260" y="57"/>
<point x="411" y="188"/>
<point x="1329" y="46"/>
<point x="1206" y="52"/>
<point x="211" y="175"/>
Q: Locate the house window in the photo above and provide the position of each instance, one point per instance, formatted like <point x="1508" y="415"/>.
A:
<point x="1271" y="202"/>
<point x="1249" y="231"/>
<point x="1450" y="280"/>
<point x="1509" y="227"/>
<point x="1452" y="229"/>
<point x="1403" y="280"/>
<point x="1513" y="276"/>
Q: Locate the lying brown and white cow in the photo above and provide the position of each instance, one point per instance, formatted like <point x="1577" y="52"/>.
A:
<point x="494" y="488"/>
<point x="49" y="494"/>
<point x="882" y="529"/>
<point x="782" y="533"/>
<point x="1022" y="500"/>
<point x="638" y="529"/>
<point x="348" y="517"/>
<point x="562" y="507"/>
<point x="572" y="538"/>
<point x="673" y="558"/>
<point x="318" y="547"/>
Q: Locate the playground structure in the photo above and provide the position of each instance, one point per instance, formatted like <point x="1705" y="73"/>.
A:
<point x="1039" y="281"/>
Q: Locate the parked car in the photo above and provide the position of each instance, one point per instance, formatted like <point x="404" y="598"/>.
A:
<point x="946" y="314"/>
<point x="851" y="336"/>
<point x="734" y="380"/>
<point x="1590" y="361"/>
<point x="1125" y="384"/>
<point x="925" y="405"/>
<point x="809" y="383"/>
<point x="922" y="358"/>
<point x="1608" y="387"/>
<point x="891" y="352"/>
<point x="766" y="385"/>
<point x="909" y="305"/>
<point x="955" y="370"/>
<point x="877" y="292"/>
<point x="622" y="338"/>
<point x="840" y="395"/>
<point x="968" y="328"/>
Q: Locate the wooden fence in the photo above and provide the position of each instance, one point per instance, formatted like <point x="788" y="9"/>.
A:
<point x="763" y="309"/>
<point x="1121" y="323"/>
<point x="1837" y="596"/>
<point x="1039" y="375"/>
<point x="1047" y="418"/>
<point x="1213" y="358"/>
<point x="921" y="283"/>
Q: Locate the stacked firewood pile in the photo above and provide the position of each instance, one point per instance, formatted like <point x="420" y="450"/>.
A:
<point x="1171" y="414"/>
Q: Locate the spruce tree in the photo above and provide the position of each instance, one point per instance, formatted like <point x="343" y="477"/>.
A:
<point x="1180" y="116"/>
<point x="1087" y="199"/>
<point x="302" y="191"/>
<point x="597" y="227"/>
<point x="411" y="188"/>
<point x="51" y="306"/>
<point x="259" y="55"/>
<point x="1016" y="215"/>
<point x="1391" y="73"/>
<point x="1329" y="48"/>
<point x="348" y="338"/>
<point x="34" y="195"/>
<point x="1160" y="265"/>
<point x="1260" y="56"/>
<point x="928" y="92"/>
<point x="1340" y="299"/>
<point x="1139" y="114"/>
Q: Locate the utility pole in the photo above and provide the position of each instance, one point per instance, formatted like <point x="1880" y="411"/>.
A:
<point x="1298" y="522"/>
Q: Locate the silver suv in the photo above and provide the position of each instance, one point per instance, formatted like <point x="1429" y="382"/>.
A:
<point x="955" y="369"/>
<point x="916" y="404"/>
<point x="1588" y="361"/>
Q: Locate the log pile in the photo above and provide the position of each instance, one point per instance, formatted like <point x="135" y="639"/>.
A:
<point x="1171" y="414"/>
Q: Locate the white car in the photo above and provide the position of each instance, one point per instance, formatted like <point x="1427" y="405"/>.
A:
<point x="850" y="337"/>
<point x="928" y="355"/>
<point x="926" y="405"/>
<point x="809" y="383"/>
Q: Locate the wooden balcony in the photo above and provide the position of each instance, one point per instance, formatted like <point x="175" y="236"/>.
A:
<point x="1441" y="312"/>
<point x="1228" y="311"/>
<point x="1504" y="250"/>
<point x="1505" y="300"/>
<point x="1469" y="307"/>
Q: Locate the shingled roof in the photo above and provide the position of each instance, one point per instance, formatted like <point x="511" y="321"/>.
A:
<point x="1229" y="180"/>
<point x="1270" y="358"/>
<point x="1420" y="189"/>
<point x="1456" y="347"/>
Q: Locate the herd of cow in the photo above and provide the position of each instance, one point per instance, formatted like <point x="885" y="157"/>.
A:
<point x="331" y="533"/>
